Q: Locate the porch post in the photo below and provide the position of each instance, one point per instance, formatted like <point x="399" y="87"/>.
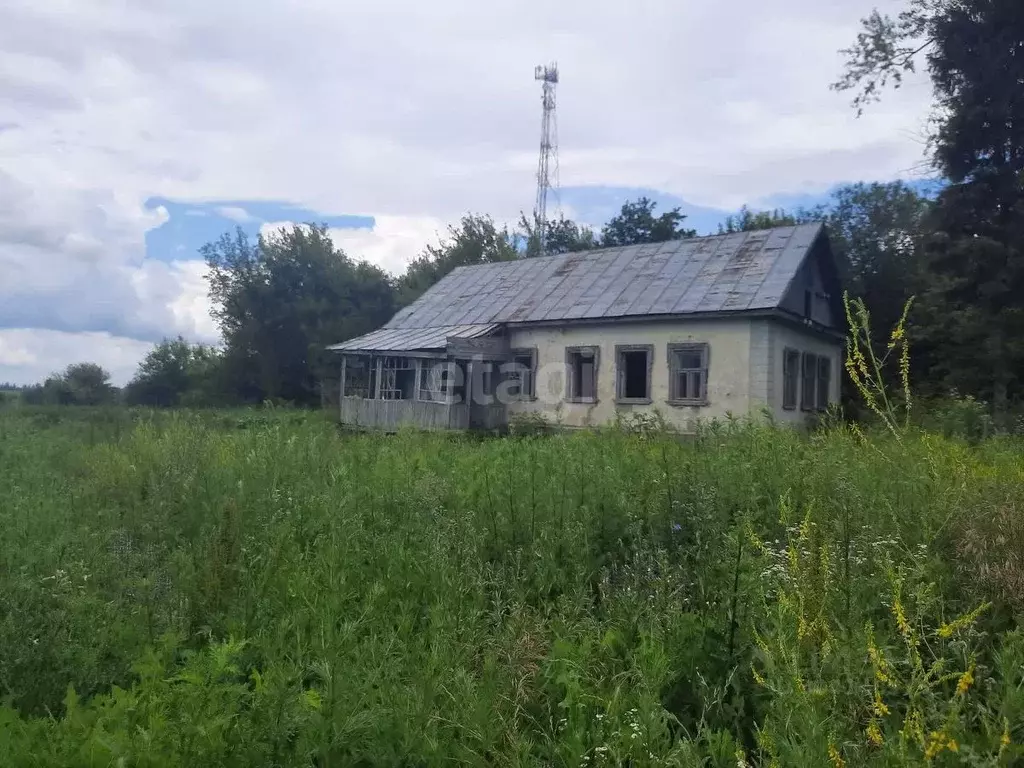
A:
<point x="380" y="372"/>
<point x="341" y="383"/>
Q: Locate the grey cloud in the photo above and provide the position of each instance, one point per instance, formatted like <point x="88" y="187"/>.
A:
<point x="66" y="264"/>
<point x="417" y="111"/>
<point x="28" y="356"/>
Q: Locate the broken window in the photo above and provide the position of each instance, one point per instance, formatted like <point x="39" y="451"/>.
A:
<point x="435" y="382"/>
<point x="359" y="377"/>
<point x="790" y="378"/>
<point x="633" y="373"/>
<point x="397" y="378"/>
<point x="521" y="374"/>
<point x="581" y="380"/>
<point x="688" y="373"/>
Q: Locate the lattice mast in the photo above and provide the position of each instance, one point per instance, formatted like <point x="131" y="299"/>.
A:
<point x="547" y="165"/>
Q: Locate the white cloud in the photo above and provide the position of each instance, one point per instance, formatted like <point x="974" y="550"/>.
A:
<point x="393" y="242"/>
<point x="235" y="213"/>
<point x="29" y="355"/>
<point x="415" y="113"/>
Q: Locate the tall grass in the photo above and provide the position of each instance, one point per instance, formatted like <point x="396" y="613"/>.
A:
<point x="224" y="589"/>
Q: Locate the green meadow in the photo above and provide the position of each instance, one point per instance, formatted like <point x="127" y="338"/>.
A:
<point x="258" y="588"/>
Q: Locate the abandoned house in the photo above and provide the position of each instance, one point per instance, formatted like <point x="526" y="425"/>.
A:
<point x="693" y="329"/>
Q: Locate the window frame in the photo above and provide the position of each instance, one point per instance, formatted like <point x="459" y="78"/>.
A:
<point x="445" y="380"/>
<point x="705" y="372"/>
<point x="390" y="368"/>
<point x="820" y="403"/>
<point x="789" y="353"/>
<point x="365" y="365"/>
<point x="587" y="350"/>
<point x="531" y="374"/>
<point x="808" y="394"/>
<point x="620" y="373"/>
<point x="486" y="373"/>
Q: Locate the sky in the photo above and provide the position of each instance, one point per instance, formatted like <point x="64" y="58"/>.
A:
<point x="132" y="133"/>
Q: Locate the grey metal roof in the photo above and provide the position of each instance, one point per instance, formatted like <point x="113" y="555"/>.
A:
<point x="389" y="339"/>
<point x="722" y="273"/>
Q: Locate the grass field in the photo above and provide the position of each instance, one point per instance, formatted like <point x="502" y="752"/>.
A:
<point x="256" y="588"/>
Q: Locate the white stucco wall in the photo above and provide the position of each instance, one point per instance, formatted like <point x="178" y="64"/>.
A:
<point x="729" y="369"/>
<point x="769" y="340"/>
<point x="744" y="372"/>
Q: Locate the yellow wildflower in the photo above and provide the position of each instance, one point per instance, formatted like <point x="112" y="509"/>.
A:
<point x="874" y="734"/>
<point x="905" y="377"/>
<point x="912" y="728"/>
<point x="835" y="757"/>
<point x="965" y="681"/>
<point x="939" y="741"/>
<point x="879" y="706"/>
<point x="895" y="336"/>
<point x="861" y="362"/>
<point x="757" y="677"/>
<point x="901" y="617"/>
<point x="1004" y="740"/>
<point x="878" y="662"/>
<point x="947" y="630"/>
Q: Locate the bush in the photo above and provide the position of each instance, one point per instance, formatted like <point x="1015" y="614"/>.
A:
<point x="256" y="587"/>
<point x="963" y="417"/>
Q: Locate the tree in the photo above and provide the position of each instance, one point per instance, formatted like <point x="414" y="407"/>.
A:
<point x="175" y="373"/>
<point x="78" y="384"/>
<point x="876" y="232"/>
<point x="476" y="240"/>
<point x="563" y="236"/>
<point x="279" y="302"/>
<point x="747" y="220"/>
<point x="971" y="313"/>
<point x="88" y="384"/>
<point x="974" y="51"/>
<point x="10" y="394"/>
<point x="636" y="223"/>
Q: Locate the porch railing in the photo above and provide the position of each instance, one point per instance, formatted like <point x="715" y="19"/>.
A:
<point x="394" y="414"/>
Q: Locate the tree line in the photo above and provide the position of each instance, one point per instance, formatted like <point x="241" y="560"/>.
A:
<point x="279" y="300"/>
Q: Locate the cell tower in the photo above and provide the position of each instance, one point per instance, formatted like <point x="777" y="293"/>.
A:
<point x="547" y="166"/>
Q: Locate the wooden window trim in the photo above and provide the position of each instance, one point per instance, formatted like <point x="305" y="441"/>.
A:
<point x="690" y="346"/>
<point x="824" y="363"/>
<point x="807" y="399"/>
<point x="445" y="394"/>
<point x="620" y="380"/>
<point x="595" y="351"/>
<point x="798" y="374"/>
<point x="523" y="352"/>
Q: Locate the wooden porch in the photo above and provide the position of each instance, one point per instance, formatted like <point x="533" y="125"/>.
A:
<point x="425" y="389"/>
<point x="392" y="415"/>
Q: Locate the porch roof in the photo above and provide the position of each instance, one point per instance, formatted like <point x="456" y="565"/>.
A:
<point x="413" y="339"/>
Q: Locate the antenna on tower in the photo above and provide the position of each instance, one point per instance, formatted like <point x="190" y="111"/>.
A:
<point x="548" y="76"/>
